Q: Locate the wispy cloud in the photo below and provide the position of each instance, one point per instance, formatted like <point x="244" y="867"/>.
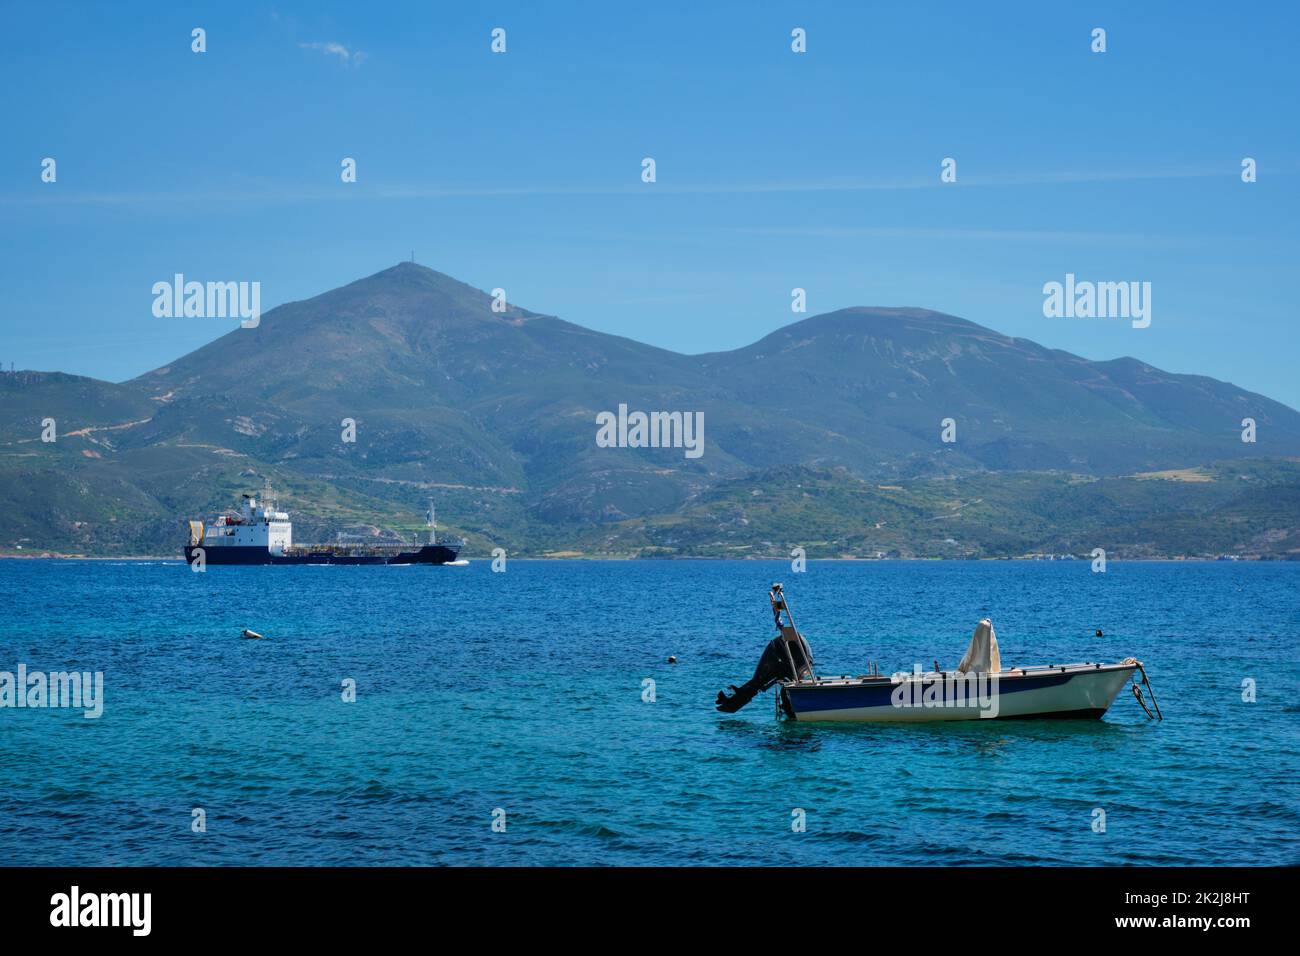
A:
<point x="346" y="56"/>
<point x="294" y="193"/>
<point x="979" y="235"/>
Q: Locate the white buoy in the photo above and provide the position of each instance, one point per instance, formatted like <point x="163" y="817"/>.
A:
<point x="251" y="635"/>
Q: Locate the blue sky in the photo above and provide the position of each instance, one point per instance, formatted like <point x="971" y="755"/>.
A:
<point x="775" y="169"/>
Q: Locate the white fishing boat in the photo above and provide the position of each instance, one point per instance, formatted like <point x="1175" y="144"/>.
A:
<point x="979" y="687"/>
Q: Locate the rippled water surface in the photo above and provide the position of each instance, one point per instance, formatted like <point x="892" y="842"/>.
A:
<point x="523" y="691"/>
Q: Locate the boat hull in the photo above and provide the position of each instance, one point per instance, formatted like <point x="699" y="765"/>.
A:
<point x="426" y="554"/>
<point x="1080" y="691"/>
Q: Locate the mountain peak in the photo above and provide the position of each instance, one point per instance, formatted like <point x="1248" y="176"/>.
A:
<point x="906" y="327"/>
<point x="410" y="293"/>
<point x="414" y="276"/>
<point x="409" y="269"/>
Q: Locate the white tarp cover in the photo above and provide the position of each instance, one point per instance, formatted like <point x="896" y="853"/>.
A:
<point x="982" y="656"/>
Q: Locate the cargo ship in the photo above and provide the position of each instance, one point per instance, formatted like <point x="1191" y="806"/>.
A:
<point x="261" y="534"/>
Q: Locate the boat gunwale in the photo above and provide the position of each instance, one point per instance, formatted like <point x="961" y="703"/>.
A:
<point x="1017" y="673"/>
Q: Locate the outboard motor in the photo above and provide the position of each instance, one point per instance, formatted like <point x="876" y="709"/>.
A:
<point x="786" y="657"/>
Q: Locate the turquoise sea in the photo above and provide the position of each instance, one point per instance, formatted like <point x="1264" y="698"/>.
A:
<point x="523" y="692"/>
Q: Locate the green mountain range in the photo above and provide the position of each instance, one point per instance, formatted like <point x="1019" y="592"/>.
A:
<point x="824" y="435"/>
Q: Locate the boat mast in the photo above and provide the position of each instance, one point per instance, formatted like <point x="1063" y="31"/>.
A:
<point x="431" y="518"/>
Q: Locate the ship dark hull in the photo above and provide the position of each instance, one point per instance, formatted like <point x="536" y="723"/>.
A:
<point x="425" y="554"/>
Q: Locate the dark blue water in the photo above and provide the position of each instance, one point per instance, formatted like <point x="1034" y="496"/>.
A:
<point x="523" y="691"/>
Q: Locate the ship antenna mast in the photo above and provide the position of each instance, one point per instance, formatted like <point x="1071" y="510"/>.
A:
<point x="432" y="518"/>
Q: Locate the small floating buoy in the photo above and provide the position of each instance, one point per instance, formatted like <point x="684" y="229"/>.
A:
<point x="251" y="635"/>
<point x="1099" y="634"/>
<point x="672" y="658"/>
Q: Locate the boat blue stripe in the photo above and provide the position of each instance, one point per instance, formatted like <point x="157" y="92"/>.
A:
<point x="807" y="700"/>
